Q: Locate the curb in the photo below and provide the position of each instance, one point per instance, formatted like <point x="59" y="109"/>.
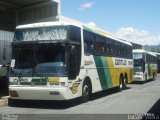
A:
<point x="4" y="101"/>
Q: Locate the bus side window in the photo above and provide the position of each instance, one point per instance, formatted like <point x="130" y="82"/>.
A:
<point x="121" y="50"/>
<point x="100" y="44"/>
<point x="88" y="42"/>
<point x="74" y="33"/>
<point x="125" y="51"/>
<point x="108" y="47"/>
<point x="111" y="48"/>
<point x="117" y="46"/>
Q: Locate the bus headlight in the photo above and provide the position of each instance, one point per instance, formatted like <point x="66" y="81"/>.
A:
<point x="13" y="83"/>
<point x="62" y="83"/>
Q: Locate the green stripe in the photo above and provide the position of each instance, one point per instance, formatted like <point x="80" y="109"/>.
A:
<point x="104" y="74"/>
<point x="107" y="72"/>
<point x="40" y="81"/>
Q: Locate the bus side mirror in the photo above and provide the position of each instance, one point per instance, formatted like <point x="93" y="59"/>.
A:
<point x="12" y="63"/>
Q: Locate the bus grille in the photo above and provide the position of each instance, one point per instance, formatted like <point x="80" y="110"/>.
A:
<point x="33" y="83"/>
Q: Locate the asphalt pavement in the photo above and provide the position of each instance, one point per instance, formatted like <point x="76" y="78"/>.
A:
<point x="137" y="101"/>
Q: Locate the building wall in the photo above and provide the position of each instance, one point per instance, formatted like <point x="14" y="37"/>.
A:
<point x="38" y="13"/>
<point x="11" y="16"/>
<point x="7" y="19"/>
<point x="5" y="46"/>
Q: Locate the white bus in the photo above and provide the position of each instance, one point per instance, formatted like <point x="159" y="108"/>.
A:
<point x="145" y="65"/>
<point x="62" y="61"/>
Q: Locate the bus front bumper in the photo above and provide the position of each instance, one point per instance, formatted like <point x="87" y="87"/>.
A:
<point x="39" y="93"/>
<point x="139" y="78"/>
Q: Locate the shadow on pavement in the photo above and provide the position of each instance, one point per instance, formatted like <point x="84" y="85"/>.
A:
<point x="3" y="93"/>
<point x="154" y="112"/>
<point x="142" y="82"/>
<point x="58" y="104"/>
<point x="43" y="104"/>
<point x="106" y="93"/>
<point x="3" y="87"/>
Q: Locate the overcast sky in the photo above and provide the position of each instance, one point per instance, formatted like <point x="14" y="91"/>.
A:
<point x="134" y="20"/>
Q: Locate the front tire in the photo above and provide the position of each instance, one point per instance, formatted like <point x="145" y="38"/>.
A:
<point x="86" y="91"/>
<point x="154" y="76"/>
<point x="12" y="102"/>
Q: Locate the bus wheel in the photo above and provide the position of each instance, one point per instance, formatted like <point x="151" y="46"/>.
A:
<point x="126" y="81"/>
<point x="12" y="102"/>
<point x="154" y="76"/>
<point x="123" y="83"/>
<point x="86" y="91"/>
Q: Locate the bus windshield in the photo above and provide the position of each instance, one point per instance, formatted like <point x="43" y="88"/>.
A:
<point x="138" y="62"/>
<point x="139" y="65"/>
<point x="47" y="59"/>
<point x="137" y="55"/>
<point x="56" y="33"/>
<point x="45" y="33"/>
<point x="138" y="69"/>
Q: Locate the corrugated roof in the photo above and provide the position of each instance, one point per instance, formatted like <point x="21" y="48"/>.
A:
<point x="22" y="3"/>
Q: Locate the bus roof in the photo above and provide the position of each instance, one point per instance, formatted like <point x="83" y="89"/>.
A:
<point x="155" y="53"/>
<point x="47" y="24"/>
<point x="144" y="51"/>
<point x="81" y="25"/>
<point x="103" y="33"/>
<point x="139" y="51"/>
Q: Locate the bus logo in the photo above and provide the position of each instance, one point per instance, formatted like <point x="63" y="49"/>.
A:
<point x="74" y="88"/>
<point x="19" y="79"/>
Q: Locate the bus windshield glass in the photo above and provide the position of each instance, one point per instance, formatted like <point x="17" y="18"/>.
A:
<point x="137" y="55"/>
<point x="138" y="62"/>
<point x="47" y="59"/>
<point x="55" y="33"/>
<point x="139" y="65"/>
<point x="44" y="33"/>
<point x="138" y="69"/>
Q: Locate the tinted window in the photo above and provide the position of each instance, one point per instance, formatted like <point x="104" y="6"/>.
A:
<point x="100" y="44"/>
<point x="74" y="33"/>
<point x="88" y="41"/>
<point x="97" y="44"/>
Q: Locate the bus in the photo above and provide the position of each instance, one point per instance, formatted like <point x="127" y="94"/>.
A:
<point x="145" y="65"/>
<point x="63" y="61"/>
<point x="158" y="62"/>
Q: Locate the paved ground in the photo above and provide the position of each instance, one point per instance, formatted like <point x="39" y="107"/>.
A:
<point x="137" y="99"/>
